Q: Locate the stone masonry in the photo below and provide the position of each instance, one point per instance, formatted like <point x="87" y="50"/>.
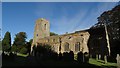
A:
<point x="41" y="30"/>
<point x="75" y="42"/>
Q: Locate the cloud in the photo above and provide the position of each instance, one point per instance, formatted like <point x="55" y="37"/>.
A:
<point x="94" y="13"/>
<point x="65" y="24"/>
<point x="62" y="21"/>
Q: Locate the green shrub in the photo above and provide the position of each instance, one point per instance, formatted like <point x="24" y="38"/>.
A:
<point x="23" y="50"/>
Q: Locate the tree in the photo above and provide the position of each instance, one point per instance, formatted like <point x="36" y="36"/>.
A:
<point x="53" y="34"/>
<point x="0" y="40"/>
<point x="112" y="20"/>
<point x="20" y="40"/>
<point x="28" y="46"/>
<point x="0" y="45"/>
<point x="23" y="50"/>
<point x="113" y="26"/>
<point x="31" y="40"/>
<point x="14" y="49"/>
<point x="6" y="42"/>
<point x="44" y="52"/>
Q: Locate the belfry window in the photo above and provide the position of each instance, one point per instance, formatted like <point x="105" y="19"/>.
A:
<point x="81" y="34"/>
<point x="37" y="35"/>
<point x="45" y="26"/>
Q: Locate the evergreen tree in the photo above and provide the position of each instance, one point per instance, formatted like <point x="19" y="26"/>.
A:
<point x="6" y="42"/>
<point x="31" y="40"/>
<point x="20" y="40"/>
<point x="28" y="46"/>
<point x="53" y="34"/>
<point x="14" y="49"/>
<point x="0" y="45"/>
<point x="112" y="20"/>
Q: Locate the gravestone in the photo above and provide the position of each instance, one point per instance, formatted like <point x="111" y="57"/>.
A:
<point x="118" y="61"/>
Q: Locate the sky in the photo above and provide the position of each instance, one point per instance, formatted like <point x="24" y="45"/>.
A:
<point x="63" y="16"/>
<point x="60" y="0"/>
<point x="0" y="19"/>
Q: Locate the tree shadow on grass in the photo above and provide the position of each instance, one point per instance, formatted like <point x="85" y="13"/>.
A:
<point x="101" y="62"/>
<point x="103" y="66"/>
<point x="31" y="62"/>
<point x="14" y="61"/>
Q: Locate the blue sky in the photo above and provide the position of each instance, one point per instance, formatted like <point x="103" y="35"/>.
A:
<point x="60" y="0"/>
<point x="63" y="16"/>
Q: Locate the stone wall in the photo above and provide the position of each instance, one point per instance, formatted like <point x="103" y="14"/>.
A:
<point x="75" y="42"/>
<point x="41" y="30"/>
<point x="71" y="40"/>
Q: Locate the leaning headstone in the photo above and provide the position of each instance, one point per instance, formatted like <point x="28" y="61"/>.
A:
<point x="105" y="59"/>
<point x="118" y="61"/>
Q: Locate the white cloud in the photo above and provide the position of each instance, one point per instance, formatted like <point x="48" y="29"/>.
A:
<point x="79" y="21"/>
<point x="66" y="24"/>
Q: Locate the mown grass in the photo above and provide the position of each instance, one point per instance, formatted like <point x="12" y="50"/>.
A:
<point x="22" y="60"/>
<point x="22" y="55"/>
<point x="102" y="64"/>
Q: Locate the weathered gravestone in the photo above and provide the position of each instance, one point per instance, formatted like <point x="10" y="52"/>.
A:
<point x="118" y="61"/>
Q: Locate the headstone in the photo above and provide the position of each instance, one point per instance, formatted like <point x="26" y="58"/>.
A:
<point x="86" y="57"/>
<point x="99" y="56"/>
<point x="80" y="57"/>
<point x="118" y="61"/>
<point x="105" y="59"/>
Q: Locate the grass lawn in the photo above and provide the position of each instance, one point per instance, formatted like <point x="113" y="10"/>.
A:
<point x="101" y="63"/>
<point x="22" y="55"/>
<point x="19" y="60"/>
<point x="22" y="60"/>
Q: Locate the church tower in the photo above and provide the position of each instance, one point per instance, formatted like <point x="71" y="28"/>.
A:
<point x="41" y="30"/>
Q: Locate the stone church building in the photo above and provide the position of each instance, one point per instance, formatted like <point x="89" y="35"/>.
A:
<point x="76" y="42"/>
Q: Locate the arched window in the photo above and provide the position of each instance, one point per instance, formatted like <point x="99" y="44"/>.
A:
<point x="66" y="47"/>
<point x="45" y="26"/>
<point x="77" y="46"/>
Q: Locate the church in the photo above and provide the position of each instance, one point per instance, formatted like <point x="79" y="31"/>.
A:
<point x="76" y="42"/>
